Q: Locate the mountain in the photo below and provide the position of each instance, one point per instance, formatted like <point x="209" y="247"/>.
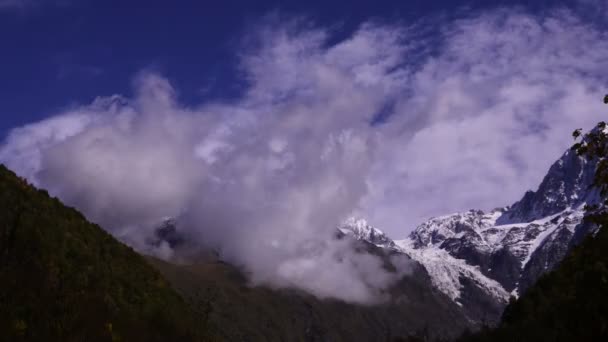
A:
<point x="568" y="304"/>
<point x="65" y="279"/>
<point x="241" y="312"/>
<point x="474" y="260"/>
<point x="359" y="229"/>
<point x="480" y="298"/>
<point x="476" y="255"/>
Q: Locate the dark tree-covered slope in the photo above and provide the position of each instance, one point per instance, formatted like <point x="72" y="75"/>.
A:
<point x="65" y="279"/>
<point x="241" y="312"/>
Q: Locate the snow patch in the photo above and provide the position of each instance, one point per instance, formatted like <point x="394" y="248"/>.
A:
<point x="445" y="271"/>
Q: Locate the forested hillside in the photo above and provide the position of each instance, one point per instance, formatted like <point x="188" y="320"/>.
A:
<point x="65" y="279"/>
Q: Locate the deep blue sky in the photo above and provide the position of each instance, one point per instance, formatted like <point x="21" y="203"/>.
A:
<point x="56" y="55"/>
<point x="460" y="102"/>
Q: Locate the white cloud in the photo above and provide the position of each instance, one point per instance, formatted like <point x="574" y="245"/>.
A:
<point x="267" y="178"/>
<point x="487" y="115"/>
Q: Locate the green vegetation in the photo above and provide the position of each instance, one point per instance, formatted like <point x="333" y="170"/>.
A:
<point x="65" y="279"/>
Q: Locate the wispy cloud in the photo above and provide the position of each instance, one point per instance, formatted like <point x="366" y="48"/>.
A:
<point x="487" y="115"/>
<point x="267" y="178"/>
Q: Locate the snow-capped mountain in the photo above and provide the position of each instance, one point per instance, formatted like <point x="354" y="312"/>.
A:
<point x="361" y="230"/>
<point x="498" y="252"/>
<point x="479" y="259"/>
<point x="566" y="185"/>
<point x="502" y="252"/>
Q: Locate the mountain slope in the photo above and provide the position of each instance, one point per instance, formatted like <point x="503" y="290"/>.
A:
<point x="245" y="313"/>
<point x="517" y="244"/>
<point x="513" y="254"/>
<point x="480" y="298"/>
<point x="566" y="185"/>
<point x="64" y="279"/>
<point x="569" y="304"/>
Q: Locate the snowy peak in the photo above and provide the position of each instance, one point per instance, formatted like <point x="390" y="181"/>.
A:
<point x="460" y="226"/>
<point x="473" y="260"/>
<point x="508" y="244"/>
<point x="360" y="229"/>
<point x="469" y="257"/>
<point x="480" y="296"/>
<point x="501" y="252"/>
<point x="479" y="259"/>
<point x="567" y="184"/>
<point x="477" y="230"/>
<point x="448" y="273"/>
<point x="504" y="251"/>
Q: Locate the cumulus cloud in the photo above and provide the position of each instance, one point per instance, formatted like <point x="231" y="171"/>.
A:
<point x="267" y="178"/>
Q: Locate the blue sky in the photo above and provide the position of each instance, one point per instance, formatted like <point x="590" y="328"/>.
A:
<point x="65" y="52"/>
<point x="446" y="63"/>
<point x="261" y="127"/>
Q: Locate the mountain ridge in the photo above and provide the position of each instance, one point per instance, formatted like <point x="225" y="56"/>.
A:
<point x="504" y="251"/>
<point x="65" y="279"/>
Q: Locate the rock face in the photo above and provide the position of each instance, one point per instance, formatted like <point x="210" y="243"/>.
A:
<point x="566" y="185"/>
<point x="514" y="255"/>
<point x="476" y="255"/>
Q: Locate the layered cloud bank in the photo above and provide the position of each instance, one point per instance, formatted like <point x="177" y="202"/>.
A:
<point x="381" y="124"/>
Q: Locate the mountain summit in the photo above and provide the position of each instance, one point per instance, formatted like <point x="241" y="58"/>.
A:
<point x="500" y="253"/>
